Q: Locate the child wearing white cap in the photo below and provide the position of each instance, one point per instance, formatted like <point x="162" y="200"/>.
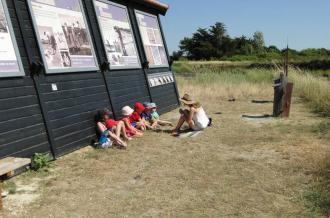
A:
<point x="130" y="129"/>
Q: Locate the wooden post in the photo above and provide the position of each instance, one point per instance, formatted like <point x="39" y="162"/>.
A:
<point x="287" y="100"/>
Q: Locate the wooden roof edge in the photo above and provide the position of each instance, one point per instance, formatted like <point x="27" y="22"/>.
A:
<point x="161" y="7"/>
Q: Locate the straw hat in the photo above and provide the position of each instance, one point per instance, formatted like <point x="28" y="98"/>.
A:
<point x="127" y="111"/>
<point x="186" y="99"/>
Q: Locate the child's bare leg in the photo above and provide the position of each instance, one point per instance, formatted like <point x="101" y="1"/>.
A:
<point x="148" y="126"/>
<point x="117" y="140"/>
<point x="164" y="123"/>
<point x="121" y="130"/>
<point x="138" y="133"/>
<point x="140" y="126"/>
<point x="154" y="124"/>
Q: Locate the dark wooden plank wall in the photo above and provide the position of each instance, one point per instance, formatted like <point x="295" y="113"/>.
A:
<point x="126" y="87"/>
<point x="70" y="110"/>
<point x="164" y="96"/>
<point x="22" y="129"/>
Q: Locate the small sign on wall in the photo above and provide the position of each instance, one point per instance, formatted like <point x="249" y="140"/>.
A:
<point x="159" y="79"/>
<point x="54" y="87"/>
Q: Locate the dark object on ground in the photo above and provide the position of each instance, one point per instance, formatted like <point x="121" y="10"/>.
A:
<point x="232" y="99"/>
<point x="257" y="116"/>
<point x="210" y="122"/>
<point x="262" y="101"/>
<point x="279" y="92"/>
<point x="218" y="113"/>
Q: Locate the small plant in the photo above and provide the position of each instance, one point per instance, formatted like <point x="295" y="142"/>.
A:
<point x="10" y="187"/>
<point x="39" y="160"/>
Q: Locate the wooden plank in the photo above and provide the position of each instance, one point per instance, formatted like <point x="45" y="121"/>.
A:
<point x="66" y="112"/>
<point x="10" y="125"/>
<point x="69" y="85"/>
<point x="16" y="113"/>
<point x="9" y="164"/>
<point x="22" y="144"/>
<point x="73" y="93"/>
<point x="287" y="100"/>
<point x="71" y="102"/>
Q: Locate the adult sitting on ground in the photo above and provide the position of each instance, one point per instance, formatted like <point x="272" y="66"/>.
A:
<point x="195" y="116"/>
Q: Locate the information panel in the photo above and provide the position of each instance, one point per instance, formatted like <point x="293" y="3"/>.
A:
<point x="63" y="35"/>
<point x="152" y="39"/>
<point x="10" y="62"/>
<point x="118" y="38"/>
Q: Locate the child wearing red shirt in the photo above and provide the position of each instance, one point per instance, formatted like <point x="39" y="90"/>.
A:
<point x="117" y="127"/>
<point x="127" y="112"/>
<point x="136" y="119"/>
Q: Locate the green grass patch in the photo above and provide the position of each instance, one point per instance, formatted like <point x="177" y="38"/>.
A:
<point x="317" y="198"/>
<point x="323" y="129"/>
<point x="10" y="186"/>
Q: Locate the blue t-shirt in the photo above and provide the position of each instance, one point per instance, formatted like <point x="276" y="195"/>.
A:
<point x="146" y="115"/>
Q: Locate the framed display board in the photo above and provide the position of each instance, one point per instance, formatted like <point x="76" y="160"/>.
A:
<point x="159" y="79"/>
<point x="63" y="35"/>
<point x="152" y="39"/>
<point x="10" y="60"/>
<point x="118" y="38"/>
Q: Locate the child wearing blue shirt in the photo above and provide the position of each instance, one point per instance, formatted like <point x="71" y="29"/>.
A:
<point x="150" y="114"/>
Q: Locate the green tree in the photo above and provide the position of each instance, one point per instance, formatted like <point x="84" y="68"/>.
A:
<point x="259" y="42"/>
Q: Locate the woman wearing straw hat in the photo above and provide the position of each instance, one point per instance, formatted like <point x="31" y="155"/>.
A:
<point x="195" y="116"/>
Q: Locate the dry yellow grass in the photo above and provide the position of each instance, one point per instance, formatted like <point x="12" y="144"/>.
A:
<point x="237" y="168"/>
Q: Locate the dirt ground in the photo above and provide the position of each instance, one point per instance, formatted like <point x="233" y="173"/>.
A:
<point x="237" y="168"/>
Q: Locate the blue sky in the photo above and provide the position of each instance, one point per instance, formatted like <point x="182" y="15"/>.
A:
<point x="305" y="23"/>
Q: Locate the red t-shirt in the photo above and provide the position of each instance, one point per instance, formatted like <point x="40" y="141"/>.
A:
<point x="111" y="123"/>
<point x="135" y="117"/>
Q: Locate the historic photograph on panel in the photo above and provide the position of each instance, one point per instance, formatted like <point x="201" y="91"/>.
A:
<point x="63" y="34"/>
<point x="76" y="35"/>
<point x="9" y="64"/>
<point x="152" y="39"/>
<point x="3" y="22"/>
<point x="117" y="35"/>
<point x="50" y="47"/>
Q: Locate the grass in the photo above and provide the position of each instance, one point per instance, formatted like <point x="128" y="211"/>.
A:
<point x="10" y="187"/>
<point x="315" y="91"/>
<point x="317" y="197"/>
<point x="237" y="168"/>
<point x="242" y="83"/>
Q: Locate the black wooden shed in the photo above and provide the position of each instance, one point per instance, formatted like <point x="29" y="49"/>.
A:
<point x="62" y="60"/>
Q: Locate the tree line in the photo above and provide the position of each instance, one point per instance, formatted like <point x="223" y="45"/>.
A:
<point x="214" y="43"/>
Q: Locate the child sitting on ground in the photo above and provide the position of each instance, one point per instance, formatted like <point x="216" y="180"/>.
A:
<point x="136" y="120"/>
<point x="107" y="138"/>
<point x="131" y="131"/>
<point x="117" y="127"/>
<point x="150" y="114"/>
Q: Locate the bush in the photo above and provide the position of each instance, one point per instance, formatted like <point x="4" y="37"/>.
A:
<point x="39" y="161"/>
